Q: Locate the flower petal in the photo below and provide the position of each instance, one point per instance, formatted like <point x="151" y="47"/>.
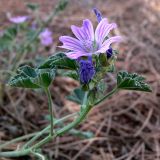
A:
<point x="103" y="30"/>
<point x="108" y="42"/>
<point x="71" y="43"/>
<point x="84" y="32"/>
<point x="78" y="32"/>
<point x="18" y="19"/>
<point x="75" y="55"/>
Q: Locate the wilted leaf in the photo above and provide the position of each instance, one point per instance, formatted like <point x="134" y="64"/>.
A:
<point x="132" y="81"/>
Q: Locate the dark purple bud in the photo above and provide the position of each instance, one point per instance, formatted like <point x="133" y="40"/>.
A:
<point x="98" y="14"/>
<point x="109" y="52"/>
<point x="86" y="70"/>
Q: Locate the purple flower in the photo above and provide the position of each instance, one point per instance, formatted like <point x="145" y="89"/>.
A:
<point x="86" y="70"/>
<point x="98" y="14"/>
<point x="89" y="42"/>
<point x="18" y="19"/>
<point x="46" y="37"/>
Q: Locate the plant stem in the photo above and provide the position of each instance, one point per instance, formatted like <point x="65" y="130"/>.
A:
<point x="39" y="156"/>
<point x="39" y="133"/>
<point x="64" y="129"/>
<point x="36" y="137"/>
<point x="49" y="137"/>
<point x="59" y="132"/>
<point x="107" y="96"/>
<point x="50" y="110"/>
<point x="17" y="139"/>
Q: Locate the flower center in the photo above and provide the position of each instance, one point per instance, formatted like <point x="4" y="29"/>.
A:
<point x="88" y="45"/>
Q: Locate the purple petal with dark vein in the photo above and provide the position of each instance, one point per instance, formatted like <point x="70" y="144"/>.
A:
<point x="103" y="30"/>
<point x="71" y="43"/>
<point x="75" y="55"/>
<point x="88" y="29"/>
<point x="78" y="32"/>
<point x="108" y="42"/>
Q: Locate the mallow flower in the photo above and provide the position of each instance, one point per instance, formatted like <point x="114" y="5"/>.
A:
<point x="88" y="41"/>
<point x="46" y="37"/>
<point x="18" y="19"/>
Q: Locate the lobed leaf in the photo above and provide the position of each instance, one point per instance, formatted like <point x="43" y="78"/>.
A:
<point x="60" y="61"/>
<point x="28" y="77"/>
<point x="132" y="81"/>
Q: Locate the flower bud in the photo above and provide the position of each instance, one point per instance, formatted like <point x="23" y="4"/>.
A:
<point x="109" y="52"/>
<point x="103" y="59"/>
<point x="86" y="71"/>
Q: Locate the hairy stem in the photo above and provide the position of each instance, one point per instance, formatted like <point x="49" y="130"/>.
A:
<point x="17" y="140"/>
<point x="49" y="137"/>
<point x="59" y="132"/>
<point x="50" y="110"/>
<point x="107" y="96"/>
<point x="36" y="137"/>
<point x="57" y="121"/>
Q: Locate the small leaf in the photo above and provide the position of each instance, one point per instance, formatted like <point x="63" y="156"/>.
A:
<point x="60" y="61"/>
<point x="11" y="32"/>
<point x="77" y="96"/>
<point x="81" y="134"/>
<point x="32" y="6"/>
<point x="7" y="39"/>
<point x="28" y="77"/>
<point x="61" y="6"/>
<point x="132" y="81"/>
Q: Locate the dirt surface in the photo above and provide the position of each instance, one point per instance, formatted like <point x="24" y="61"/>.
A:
<point x="125" y="127"/>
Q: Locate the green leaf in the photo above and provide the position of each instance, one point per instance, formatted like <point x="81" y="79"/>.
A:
<point x="11" y="32"/>
<point x="28" y="77"/>
<point x="71" y="74"/>
<point x="81" y="134"/>
<point x="60" y="61"/>
<point x="61" y="6"/>
<point x="44" y="77"/>
<point x="77" y="96"/>
<point x="6" y="41"/>
<point x="33" y="6"/>
<point x="132" y="81"/>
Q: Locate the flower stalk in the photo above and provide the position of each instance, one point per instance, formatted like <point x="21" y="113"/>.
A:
<point x="50" y="109"/>
<point x="82" y="115"/>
